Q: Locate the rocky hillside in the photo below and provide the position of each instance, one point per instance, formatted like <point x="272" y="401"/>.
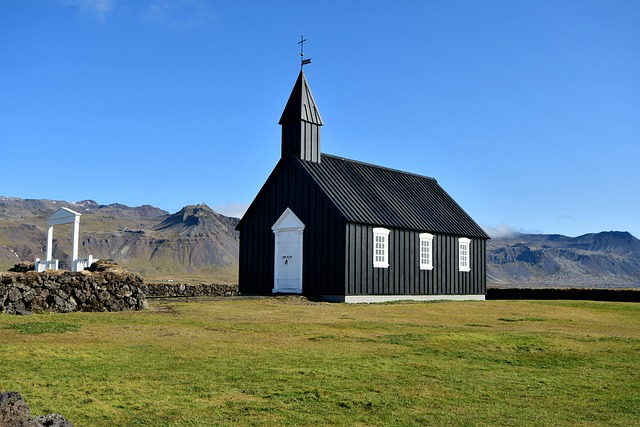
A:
<point x="198" y="244"/>
<point x="608" y="259"/>
<point x="193" y="244"/>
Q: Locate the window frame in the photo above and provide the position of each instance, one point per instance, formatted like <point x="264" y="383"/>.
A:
<point x="464" y="254"/>
<point x="381" y="235"/>
<point x="425" y="259"/>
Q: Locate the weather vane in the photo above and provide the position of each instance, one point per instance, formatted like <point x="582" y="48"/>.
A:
<point x="303" y="61"/>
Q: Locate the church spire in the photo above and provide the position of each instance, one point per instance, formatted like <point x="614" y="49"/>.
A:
<point x="301" y="123"/>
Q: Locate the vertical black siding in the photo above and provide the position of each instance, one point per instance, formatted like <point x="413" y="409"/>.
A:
<point x="404" y="277"/>
<point x="338" y="256"/>
<point x="289" y="186"/>
<point x="301" y="139"/>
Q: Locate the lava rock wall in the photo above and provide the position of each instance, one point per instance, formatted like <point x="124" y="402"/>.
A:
<point x="168" y="290"/>
<point x="63" y="292"/>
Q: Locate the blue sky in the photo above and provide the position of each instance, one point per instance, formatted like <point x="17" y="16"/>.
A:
<point x="527" y="112"/>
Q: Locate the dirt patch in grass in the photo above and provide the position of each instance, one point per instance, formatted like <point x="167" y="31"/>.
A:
<point x="163" y="308"/>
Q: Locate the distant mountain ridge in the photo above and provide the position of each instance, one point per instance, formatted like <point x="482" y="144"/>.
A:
<point x="607" y="259"/>
<point x="14" y="207"/>
<point x="195" y="243"/>
<point x="198" y="244"/>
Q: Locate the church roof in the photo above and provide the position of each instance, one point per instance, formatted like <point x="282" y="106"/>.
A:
<point x="379" y="196"/>
<point x="301" y="105"/>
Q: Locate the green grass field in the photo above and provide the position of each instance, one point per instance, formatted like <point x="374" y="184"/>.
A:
<point x="287" y="361"/>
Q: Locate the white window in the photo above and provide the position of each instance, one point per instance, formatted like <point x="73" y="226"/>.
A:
<point x="381" y="247"/>
<point x="463" y="254"/>
<point x="426" y="251"/>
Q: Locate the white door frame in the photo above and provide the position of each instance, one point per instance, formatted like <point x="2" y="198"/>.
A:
<point x="288" y="222"/>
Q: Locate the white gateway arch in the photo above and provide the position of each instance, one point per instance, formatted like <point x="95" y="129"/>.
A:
<point x="63" y="216"/>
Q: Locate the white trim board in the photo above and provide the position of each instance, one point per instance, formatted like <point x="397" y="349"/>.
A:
<point x="356" y="299"/>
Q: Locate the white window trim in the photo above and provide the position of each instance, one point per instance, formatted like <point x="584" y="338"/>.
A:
<point x="428" y="263"/>
<point x="464" y="245"/>
<point x="384" y="234"/>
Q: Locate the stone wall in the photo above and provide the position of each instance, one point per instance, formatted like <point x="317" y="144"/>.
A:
<point x="63" y="292"/>
<point x="14" y="412"/>
<point x="185" y="290"/>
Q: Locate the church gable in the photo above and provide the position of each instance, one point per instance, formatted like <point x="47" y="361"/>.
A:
<point x="290" y="186"/>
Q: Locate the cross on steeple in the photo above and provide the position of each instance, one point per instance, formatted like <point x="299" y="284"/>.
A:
<point x="303" y="61"/>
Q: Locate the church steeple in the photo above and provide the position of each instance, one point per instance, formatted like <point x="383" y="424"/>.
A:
<point x="301" y="123"/>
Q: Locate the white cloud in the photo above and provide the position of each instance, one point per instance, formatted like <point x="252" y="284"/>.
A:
<point x="503" y="230"/>
<point x="95" y="8"/>
<point x="235" y="210"/>
<point x="499" y="231"/>
<point x="180" y="14"/>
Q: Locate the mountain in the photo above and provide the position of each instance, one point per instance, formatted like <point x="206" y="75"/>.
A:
<point x="198" y="244"/>
<point x="13" y="207"/>
<point x="195" y="243"/>
<point x="608" y="259"/>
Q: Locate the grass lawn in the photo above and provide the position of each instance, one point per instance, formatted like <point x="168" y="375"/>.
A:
<point x="287" y="361"/>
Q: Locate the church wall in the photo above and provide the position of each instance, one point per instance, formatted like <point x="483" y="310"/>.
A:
<point x="404" y="276"/>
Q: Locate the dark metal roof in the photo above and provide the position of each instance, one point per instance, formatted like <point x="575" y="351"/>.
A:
<point x="301" y="105"/>
<point x="371" y="194"/>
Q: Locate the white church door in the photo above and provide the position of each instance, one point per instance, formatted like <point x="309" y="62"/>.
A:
<point x="288" y="231"/>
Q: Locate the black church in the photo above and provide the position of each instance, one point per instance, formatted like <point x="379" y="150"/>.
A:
<point x="350" y="231"/>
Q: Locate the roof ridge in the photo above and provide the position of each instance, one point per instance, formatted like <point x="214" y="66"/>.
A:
<point x="378" y="166"/>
